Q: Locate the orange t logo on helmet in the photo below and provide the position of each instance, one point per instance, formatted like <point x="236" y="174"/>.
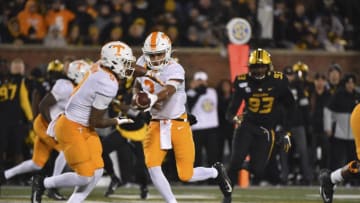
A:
<point x="118" y="49"/>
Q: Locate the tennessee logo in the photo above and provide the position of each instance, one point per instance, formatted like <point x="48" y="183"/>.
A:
<point x="118" y="49"/>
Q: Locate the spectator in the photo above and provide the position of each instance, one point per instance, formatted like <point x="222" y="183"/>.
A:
<point x="128" y="14"/>
<point x="74" y="37"/>
<point x="202" y="103"/>
<point x="136" y="33"/>
<point x="32" y="24"/>
<point x="92" y="9"/>
<point x="54" y="37"/>
<point x="116" y="22"/>
<point x="299" y="24"/>
<point x="104" y="17"/>
<point x="11" y="33"/>
<point x="59" y="16"/>
<point x="334" y="77"/>
<point x="330" y="31"/>
<point x="319" y="100"/>
<point x="94" y="36"/>
<point x="281" y="21"/>
<point x="83" y="20"/>
<point x="116" y="34"/>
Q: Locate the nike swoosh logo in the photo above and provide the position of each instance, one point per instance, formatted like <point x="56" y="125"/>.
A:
<point x="179" y="128"/>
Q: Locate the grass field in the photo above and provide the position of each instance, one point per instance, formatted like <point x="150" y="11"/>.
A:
<point x="199" y="194"/>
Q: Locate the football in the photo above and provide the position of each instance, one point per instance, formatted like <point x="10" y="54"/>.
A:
<point x="141" y="100"/>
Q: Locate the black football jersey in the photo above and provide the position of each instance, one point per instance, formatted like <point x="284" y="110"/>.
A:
<point x="262" y="98"/>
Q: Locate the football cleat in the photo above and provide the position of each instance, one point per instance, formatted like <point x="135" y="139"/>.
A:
<point x="2" y="177"/>
<point x="114" y="184"/>
<point x="223" y="180"/>
<point x="37" y="189"/>
<point x="326" y="186"/>
<point x="144" y="191"/>
<point x="226" y="199"/>
<point x="54" y="194"/>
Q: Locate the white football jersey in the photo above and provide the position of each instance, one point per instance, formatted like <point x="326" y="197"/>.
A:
<point x="61" y="91"/>
<point x="173" y="107"/>
<point x="97" y="82"/>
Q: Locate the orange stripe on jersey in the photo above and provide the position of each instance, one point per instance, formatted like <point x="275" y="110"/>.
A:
<point x="153" y="40"/>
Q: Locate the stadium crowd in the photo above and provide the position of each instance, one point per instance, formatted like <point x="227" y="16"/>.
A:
<point x="291" y="24"/>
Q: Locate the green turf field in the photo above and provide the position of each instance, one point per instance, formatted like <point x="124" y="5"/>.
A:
<point x="200" y="194"/>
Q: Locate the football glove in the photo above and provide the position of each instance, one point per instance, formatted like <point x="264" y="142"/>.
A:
<point x="238" y="119"/>
<point x="284" y="140"/>
<point x="122" y="120"/>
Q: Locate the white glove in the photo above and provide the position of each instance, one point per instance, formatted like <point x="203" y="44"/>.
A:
<point x="121" y="121"/>
<point x="153" y="99"/>
<point x="154" y="75"/>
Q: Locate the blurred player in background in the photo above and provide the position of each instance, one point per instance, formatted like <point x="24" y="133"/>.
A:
<point x="52" y="104"/>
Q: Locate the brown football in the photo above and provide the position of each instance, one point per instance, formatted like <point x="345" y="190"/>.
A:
<point x="142" y="100"/>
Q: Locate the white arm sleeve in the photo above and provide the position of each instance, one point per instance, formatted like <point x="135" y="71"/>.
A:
<point x="62" y="89"/>
<point x="101" y="101"/>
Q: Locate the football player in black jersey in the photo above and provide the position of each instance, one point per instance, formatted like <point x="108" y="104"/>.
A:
<point x="266" y="95"/>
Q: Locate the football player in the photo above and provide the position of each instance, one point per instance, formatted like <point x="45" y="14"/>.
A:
<point x="262" y="90"/>
<point x="52" y="104"/>
<point x="170" y="127"/>
<point x="75" y="129"/>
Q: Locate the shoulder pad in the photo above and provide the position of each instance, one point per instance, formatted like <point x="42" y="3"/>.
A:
<point x="278" y="75"/>
<point x="241" y="77"/>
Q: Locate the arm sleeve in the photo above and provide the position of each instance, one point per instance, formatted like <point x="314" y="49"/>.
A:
<point x="62" y="90"/>
<point x="101" y="101"/>
<point x="24" y="101"/>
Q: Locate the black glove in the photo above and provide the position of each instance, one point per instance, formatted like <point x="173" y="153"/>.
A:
<point x="192" y="119"/>
<point x="283" y="140"/>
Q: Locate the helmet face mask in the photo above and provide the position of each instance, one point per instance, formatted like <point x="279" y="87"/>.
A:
<point x="259" y="64"/>
<point x="77" y="70"/>
<point x="157" y="50"/>
<point x="119" y="58"/>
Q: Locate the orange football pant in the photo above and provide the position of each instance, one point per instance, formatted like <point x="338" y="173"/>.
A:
<point x="81" y="145"/>
<point x="43" y="144"/>
<point x="183" y="146"/>
<point x="355" y="126"/>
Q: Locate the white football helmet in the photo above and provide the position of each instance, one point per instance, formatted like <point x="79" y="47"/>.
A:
<point x="118" y="57"/>
<point x="77" y="70"/>
<point x="155" y="43"/>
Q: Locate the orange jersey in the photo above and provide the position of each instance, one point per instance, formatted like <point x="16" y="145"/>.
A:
<point x="28" y="20"/>
<point x="61" y="19"/>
